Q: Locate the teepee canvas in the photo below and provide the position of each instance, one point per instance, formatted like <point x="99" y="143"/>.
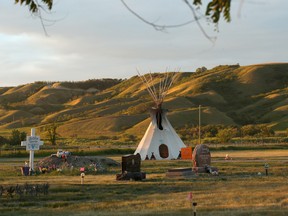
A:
<point x="160" y="140"/>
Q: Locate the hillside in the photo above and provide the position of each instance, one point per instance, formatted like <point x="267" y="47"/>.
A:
<point x="230" y="95"/>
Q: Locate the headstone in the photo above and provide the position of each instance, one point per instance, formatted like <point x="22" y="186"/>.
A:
<point x="201" y="156"/>
<point x="131" y="163"/>
<point x="202" y="160"/>
<point x="32" y="144"/>
<point x="131" y="168"/>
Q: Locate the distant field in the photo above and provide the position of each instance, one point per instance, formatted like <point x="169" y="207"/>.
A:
<point x="238" y="190"/>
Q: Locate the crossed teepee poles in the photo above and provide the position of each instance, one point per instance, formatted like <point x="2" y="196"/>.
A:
<point x="159" y="93"/>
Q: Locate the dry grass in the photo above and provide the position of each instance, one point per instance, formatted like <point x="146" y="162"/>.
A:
<point x="238" y="190"/>
<point x="228" y="95"/>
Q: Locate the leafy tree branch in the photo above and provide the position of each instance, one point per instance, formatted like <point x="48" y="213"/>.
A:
<point x="214" y="10"/>
<point x="36" y="9"/>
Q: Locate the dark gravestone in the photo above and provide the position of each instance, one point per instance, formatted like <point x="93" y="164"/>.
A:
<point x="131" y="163"/>
<point x="131" y="168"/>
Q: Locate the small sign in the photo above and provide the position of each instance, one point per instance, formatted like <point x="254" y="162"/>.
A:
<point x="32" y="143"/>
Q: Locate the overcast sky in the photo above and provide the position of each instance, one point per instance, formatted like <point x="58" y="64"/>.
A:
<point x="93" y="39"/>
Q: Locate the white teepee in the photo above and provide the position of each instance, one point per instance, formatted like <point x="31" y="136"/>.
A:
<point x="160" y="140"/>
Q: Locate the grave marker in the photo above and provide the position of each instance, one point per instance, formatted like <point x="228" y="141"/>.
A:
<point x="131" y="168"/>
<point x="32" y="144"/>
<point x="202" y="156"/>
<point x="202" y="160"/>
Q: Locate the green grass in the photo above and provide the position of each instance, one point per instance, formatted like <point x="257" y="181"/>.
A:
<point x="238" y="190"/>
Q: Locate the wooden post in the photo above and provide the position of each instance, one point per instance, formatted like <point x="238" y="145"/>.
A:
<point x="82" y="178"/>
<point x="266" y="166"/>
<point x="194" y="208"/>
<point x="199" y="133"/>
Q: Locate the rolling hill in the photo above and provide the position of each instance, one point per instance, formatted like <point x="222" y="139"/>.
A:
<point x="228" y="94"/>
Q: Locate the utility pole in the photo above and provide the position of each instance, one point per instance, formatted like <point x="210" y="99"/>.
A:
<point x="199" y="133"/>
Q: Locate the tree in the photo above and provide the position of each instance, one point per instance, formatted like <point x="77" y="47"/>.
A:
<point x="3" y="140"/>
<point x="200" y="70"/>
<point x="52" y="133"/>
<point x="17" y="137"/>
<point x="265" y="131"/>
<point x="226" y="134"/>
<point x="250" y="130"/>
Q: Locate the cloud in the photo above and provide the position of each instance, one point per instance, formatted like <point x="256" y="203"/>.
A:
<point x="99" y="39"/>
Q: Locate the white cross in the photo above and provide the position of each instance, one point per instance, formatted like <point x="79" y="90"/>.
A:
<point x="32" y="143"/>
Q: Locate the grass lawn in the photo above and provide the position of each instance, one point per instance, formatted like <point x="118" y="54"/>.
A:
<point x="238" y="190"/>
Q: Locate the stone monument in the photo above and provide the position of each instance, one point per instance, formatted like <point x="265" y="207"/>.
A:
<point x="32" y="144"/>
<point x="202" y="160"/>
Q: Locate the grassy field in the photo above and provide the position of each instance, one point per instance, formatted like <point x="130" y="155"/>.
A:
<point x="238" y="190"/>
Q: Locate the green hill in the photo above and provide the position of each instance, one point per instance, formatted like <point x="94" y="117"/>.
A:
<point x="228" y="94"/>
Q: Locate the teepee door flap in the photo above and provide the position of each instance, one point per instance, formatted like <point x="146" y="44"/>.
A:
<point x="163" y="151"/>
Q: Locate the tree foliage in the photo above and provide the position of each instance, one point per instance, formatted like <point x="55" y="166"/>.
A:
<point x="17" y="137"/>
<point x="3" y="140"/>
<point x="201" y="69"/>
<point x="213" y="12"/>
<point x="214" y="8"/>
<point x="34" y="6"/>
<point x="226" y="134"/>
<point x="52" y="134"/>
<point x="256" y="131"/>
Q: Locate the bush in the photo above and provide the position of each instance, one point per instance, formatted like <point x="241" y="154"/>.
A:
<point x="17" y="137"/>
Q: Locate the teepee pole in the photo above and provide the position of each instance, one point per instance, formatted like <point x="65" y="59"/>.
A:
<point x="146" y="82"/>
<point x="164" y="90"/>
<point x="169" y="84"/>
<point x="154" y="89"/>
<point x="151" y="91"/>
<point x="160" y="89"/>
<point x="158" y="94"/>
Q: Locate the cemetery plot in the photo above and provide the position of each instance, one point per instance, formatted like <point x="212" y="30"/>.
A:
<point x="237" y="190"/>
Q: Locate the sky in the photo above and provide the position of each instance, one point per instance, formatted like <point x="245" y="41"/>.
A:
<point x="94" y="39"/>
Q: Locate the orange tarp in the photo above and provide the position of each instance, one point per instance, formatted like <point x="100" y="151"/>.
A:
<point x="186" y="153"/>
